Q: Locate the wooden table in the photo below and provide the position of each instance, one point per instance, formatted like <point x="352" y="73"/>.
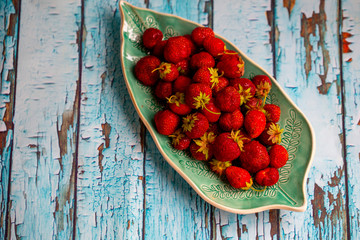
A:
<point x="76" y="161"/>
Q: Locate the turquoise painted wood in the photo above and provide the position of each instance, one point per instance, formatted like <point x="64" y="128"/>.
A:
<point x="308" y="67"/>
<point x="246" y="25"/>
<point x="110" y="186"/>
<point x="170" y="202"/>
<point x="351" y="90"/>
<point x="80" y="162"/>
<point x="45" y="121"/>
<point x="9" y="18"/>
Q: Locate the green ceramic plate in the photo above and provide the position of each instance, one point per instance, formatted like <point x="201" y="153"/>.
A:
<point x="298" y="137"/>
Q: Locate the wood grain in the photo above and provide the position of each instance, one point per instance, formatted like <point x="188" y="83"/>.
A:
<point x="351" y="100"/>
<point x="42" y="174"/>
<point x="308" y="68"/>
<point x="249" y="26"/>
<point x="173" y="209"/>
<point x="110" y="174"/>
<point x="9" y="17"/>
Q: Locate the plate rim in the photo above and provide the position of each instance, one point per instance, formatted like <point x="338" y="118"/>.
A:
<point x="301" y="208"/>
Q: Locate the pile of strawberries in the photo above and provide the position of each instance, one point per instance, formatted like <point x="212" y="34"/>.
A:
<point x="211" y="111"/>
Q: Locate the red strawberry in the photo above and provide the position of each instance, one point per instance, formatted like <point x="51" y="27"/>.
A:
<point x="166" y="122"/>
<point x="254" y="123"/>
<point x="191" y="44"/>
<point x="231" y="121"/>
<point x="179" y="140"/>
<point x="181" y="83"/>
<point x="228" y="146"/>
<point x="232" y="67"/>
<point x="228" y="100"/>
<point x="200" y="33"/>
<point x="245" y="87"/>
<point x="239" y="178"/>
<point x="272" y="112"/>
<point x="183" y="67"/>
<point x="158" y="50"/>
<point x="267" y="177"/>
<point x="163" y="89"/>
<point x="177" y="104"/>
<point x="208" y="76"/>
<point x="201" y="59"/>
<point x="213" y="127"/>
<point x="198" y="95"/>
<point x="252" y="104"/>
<point x="254" y="157"/>
<point x="195" y="125"/>
<point x="214" y="46"/>
<point x="144" y="70"/>
<point x="151" y="37"/>
<point x="177" y="49"/>
<point x="211" y="112"/>
<point x="168" y="72"/>
<point x="219" y="167"/>
<point x="271" y="134"/>
<point x="221" y="85"/>
<point x="202" y="149"/>
<point x="262" y="84"/>
<point x="278" y="156"/>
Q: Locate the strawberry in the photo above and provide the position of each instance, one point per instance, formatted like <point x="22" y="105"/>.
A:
<point x="253" y="104"/>
<point x="183" y="67"/>
<point x="208" y="76"/>
<point x="278" y="156"/>
<point x="239" y="177"/>
<point x="219" y="167"/>
<point x="158" y="50"/>
<point x="272" y="112"/>
<point x="231" y="121"/>
<point x="198" y="95"/>
<point x="195" y="125"/>
<point x="271" y="134"/>
<point x="211" y="112"/>
<point x="176" y="49"/>
<point x="254" y="157"/>
<point x="232" y="67"/>
<point x="177" y="104"/>
<point x="214" y="46"/>
<point x="254" y="123"/>
<point x="179" y="140"/>
<point x="262" y="84"/>
<point x="144" y="70"/>
<point x="267" y="177"/>
<point x="163" y="89"/>
<point x="201" y="149"/>
<point x="192" y="46"/>
<point x="213" y="127"/>
<point x="245" y="87"/>
<point x="166" y="122"/>
<point x="222" y="83"/>
<point x="228" y="100"/>
<point x="201" y="59"/>
<point x="181" y="83"/>
<point x="168" y="72"/>
<point x="228" y="146"/>
<point x="151" y="37"/>
<point x="199" y="34"/>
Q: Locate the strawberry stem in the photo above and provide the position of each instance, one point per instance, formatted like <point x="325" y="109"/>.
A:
<point x="258" y="190"/>
<point x="217" y="113"/>
<point x="159" y="68"/>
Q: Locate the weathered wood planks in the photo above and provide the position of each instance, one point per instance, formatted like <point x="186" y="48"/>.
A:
<point x="173" y="210"/>
<point x="45" y="121"/>
<point x="350" y="47"/>
<point x="9" y="17"/>
<point x="308" y="68"/>
<point x="110" y="182"/>
<point x="248" y="26"/>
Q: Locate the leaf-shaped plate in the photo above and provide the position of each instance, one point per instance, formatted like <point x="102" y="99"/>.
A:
<point x="298" y="137"/>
